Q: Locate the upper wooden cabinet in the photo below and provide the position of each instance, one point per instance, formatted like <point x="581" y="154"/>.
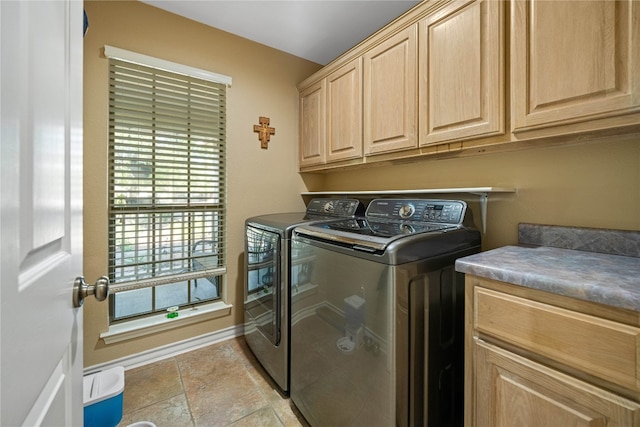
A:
<point x="390" y="86"/>
<point x="462" y="72"/>
<point x="331" y="117"/>
<point x="573" y="61"/>
<point x="312" y="125"/>
<point x="344" y="112"/>
<point x="435" y="81"/>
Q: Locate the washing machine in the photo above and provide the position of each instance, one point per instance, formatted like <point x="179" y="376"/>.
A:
<point x="377" y="335"/>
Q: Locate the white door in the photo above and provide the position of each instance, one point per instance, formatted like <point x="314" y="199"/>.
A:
<point x="40" y="212"/>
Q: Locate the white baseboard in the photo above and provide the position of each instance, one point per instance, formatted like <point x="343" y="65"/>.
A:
<point x="169" y="350"/>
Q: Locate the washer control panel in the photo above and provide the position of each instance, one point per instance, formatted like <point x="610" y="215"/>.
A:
<point x="420" y="210"/>
<point x="335" y="207"/>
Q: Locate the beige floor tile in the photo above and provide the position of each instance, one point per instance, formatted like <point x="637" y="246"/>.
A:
<point x="264" y="417"/>
<point x="210" y="365"/>
<point x="151" y="384"/>
<point x="223" y="403"/>
<point x="172" y="412"/>
<point x="220" y="385"/>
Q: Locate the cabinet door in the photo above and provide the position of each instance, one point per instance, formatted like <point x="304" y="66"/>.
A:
<point x="344" y="112"/>
<point x="573" y="61"/>
<point x="390" y="98"/>
<point x="461" y="54"/>
<point x="312" y="125"/>
<point x="513" y="391"/>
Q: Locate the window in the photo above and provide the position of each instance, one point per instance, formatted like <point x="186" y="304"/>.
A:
<point x="166" y="189"/>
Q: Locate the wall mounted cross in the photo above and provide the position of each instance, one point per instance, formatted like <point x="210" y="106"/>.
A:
<point x="264" y="131"/>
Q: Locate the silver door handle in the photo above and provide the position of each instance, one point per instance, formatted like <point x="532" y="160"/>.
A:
<point x="81" y="290"/>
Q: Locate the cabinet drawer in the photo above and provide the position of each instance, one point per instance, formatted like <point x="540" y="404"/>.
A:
<point x="599" y="347"/>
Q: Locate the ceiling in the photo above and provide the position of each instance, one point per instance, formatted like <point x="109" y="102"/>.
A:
<point x="318" y="31"/>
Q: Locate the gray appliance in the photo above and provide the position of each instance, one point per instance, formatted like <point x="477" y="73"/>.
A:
<point x="378" y="331"/>
<point x="270" y="277"/>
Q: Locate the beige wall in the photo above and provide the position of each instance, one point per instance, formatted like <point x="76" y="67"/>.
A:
<point x="594" y="184"/>
<point x="259" y="181"/>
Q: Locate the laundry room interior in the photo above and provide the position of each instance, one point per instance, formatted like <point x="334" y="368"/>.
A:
<point x="580" y="173"/>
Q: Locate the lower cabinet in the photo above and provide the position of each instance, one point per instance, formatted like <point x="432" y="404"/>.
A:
<point x="539" y="359"/>
<point x="514" y="391"/>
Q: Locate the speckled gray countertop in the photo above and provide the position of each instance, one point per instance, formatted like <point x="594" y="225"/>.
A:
<point x="604" y="278"/>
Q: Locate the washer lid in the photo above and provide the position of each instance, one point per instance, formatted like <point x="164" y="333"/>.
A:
<point x="390" y="220"/>
<point x="369" y="236"/>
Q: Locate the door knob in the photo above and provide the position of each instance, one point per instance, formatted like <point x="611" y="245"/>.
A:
<point x="81" y="290"/>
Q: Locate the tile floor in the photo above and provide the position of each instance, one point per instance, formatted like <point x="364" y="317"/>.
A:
<point x="219" y="385"/>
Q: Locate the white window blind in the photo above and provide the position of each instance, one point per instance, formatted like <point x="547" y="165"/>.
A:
<point x="167" y="135"/>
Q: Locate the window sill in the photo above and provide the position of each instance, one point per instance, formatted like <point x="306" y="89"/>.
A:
<point x="158" y="323"/>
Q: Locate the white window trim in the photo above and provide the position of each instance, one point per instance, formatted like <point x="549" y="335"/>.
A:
<point x="157" y="323"/>
<point x="162" y="64"/>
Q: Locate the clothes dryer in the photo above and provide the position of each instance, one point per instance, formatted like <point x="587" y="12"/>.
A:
<point x="271" y="278"/>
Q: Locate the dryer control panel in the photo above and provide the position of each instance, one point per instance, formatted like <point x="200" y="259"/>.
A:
<point x="335" y="207"/>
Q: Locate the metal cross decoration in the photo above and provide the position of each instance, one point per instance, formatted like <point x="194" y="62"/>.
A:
<point x="264" y="131"/>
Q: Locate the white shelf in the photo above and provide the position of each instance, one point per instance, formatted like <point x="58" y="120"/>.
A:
<point x="483" y="192"/>
<point x="472" y="190"/>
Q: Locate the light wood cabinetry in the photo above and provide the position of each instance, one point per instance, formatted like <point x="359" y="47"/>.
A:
<point x="514" y="391"/>
<point x="390" y="86"/>
<point x="573" y="74"/>
<point x="331" y="117"/>
<point x="344" y="112"/>
<point x="574" y="62"/>
<point x="539" y="359"/>
<point x="462" y="72"/>
<point x="312" y="125"/>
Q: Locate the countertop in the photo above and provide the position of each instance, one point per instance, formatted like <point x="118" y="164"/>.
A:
<point x="613" y="280"/>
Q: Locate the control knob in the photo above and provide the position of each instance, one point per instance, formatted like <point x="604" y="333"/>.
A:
<point x="406" y="210"/>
